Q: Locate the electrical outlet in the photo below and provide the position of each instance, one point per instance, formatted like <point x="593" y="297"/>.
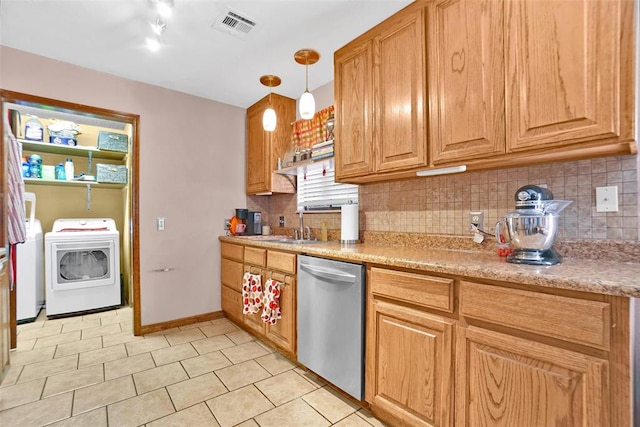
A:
<point x="476" y="219"/>
<point x="281" y="221"/>
<point x="227" y="224"/>
<point x="160" y="223"/>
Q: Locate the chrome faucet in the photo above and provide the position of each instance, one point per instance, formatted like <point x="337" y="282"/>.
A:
<point x="301" y="225"/>
<point x="308" y="230"/>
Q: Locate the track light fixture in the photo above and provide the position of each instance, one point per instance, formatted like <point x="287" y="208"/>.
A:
<point x="164" y="9"/>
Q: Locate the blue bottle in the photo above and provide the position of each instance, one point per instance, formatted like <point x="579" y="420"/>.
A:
<point x="26" y="172"/>
<point x="60" y="172"/>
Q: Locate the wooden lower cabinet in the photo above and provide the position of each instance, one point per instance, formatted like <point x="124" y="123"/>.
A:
<point x="280" y="266"/>
<point x="505" y="355"/>
<point x="410" y="358"/>
<point x="502" y="380"/>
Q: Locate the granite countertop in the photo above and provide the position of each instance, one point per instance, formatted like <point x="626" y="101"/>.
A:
<point x="603" y="277"/>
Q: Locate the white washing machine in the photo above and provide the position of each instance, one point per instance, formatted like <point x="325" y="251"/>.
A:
<point x="30" y="268"/>
<point x="82" y="265"/>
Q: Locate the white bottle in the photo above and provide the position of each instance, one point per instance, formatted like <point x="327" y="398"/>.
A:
<point x="68" y="170"/>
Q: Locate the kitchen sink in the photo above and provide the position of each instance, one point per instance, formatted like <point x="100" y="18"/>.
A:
<point x="292" y="241"/>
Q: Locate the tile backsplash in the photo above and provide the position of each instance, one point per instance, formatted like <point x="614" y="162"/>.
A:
<point x="441" y="205"/>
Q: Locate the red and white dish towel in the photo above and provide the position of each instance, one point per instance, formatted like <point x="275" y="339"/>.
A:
<point x="271" y="308"/>
<point x="254" y="297"/>
<point x="251" y="293"/>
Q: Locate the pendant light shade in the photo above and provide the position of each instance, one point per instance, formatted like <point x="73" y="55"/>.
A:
<point x="269" y="118"/>
<point x="306" y="104"/>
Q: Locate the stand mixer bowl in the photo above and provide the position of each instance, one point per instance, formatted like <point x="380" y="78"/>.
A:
<point x="533" y="231"/>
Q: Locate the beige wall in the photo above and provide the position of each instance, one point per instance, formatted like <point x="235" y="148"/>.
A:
<point x="191" y="172"/>
<point x="441" y="205"/>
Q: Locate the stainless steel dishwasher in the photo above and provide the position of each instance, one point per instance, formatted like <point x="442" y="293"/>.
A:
<point x="331" y="306"/>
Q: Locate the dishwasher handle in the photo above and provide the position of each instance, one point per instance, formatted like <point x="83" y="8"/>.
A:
<point x="329" y="273"/>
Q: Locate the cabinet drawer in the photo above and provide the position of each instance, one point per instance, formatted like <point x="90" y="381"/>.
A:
<point x="580" y="321"/>
<point x="282" y="261"/>
<point x="231" y="251"/>
<point x="231" y="274"/>
<point x="255" y="256"/>
<point x="232" y="303"/>
<point x="417" y="289"/>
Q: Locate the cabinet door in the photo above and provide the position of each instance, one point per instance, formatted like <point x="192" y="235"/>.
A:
<point x="353" y="87"/>
<point x="283" y="333"/>
<point x="409" y="377"/>
<point x="232" y="303"/>
<point x="466" y="79"/>
<point x="400" y="136"/>
<point x="258" y="147"/>
<point x="563" y="72"/>
<point x="507" y="381"/>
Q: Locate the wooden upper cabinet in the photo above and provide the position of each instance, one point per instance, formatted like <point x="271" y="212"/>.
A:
<point x="466" y="79"/>
<point x="257" y="140"/>
<point x="502" y="84"/>
<point x="353" y="87"/>
<point x="568" y="71"/>
<point x="400" y="136"/>
<point x="264" y="148"/>
<point x="380" y="92"/>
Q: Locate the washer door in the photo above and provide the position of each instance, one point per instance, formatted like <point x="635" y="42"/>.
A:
<point x="83" y="264"/>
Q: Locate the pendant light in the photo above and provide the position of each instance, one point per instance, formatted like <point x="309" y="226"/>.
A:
<point x="269" y="119"/>
<point x="306" y="105"/>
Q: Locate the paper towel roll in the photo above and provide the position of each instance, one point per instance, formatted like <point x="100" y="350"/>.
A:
<point x="349" y="226"/>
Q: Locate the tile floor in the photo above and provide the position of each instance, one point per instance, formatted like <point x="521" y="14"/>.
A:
<point x="92" y="371"/>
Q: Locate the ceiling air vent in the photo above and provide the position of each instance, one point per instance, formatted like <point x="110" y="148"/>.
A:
<point x="234" y="23"/>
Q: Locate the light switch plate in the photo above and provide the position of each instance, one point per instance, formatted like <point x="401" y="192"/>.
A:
<point x="607" y="199"/>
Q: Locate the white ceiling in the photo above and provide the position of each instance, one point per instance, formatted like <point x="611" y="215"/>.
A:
<point x="109" y="36"/>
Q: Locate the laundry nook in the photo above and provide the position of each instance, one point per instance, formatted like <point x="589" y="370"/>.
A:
<point x="75" y="170"/>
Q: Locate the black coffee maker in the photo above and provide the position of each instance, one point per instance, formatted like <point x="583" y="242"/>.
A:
<point x="254" y="223"/>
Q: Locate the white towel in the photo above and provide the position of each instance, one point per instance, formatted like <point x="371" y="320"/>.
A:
<point x="251" y="293"/>
<point x="271" y="306"/>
